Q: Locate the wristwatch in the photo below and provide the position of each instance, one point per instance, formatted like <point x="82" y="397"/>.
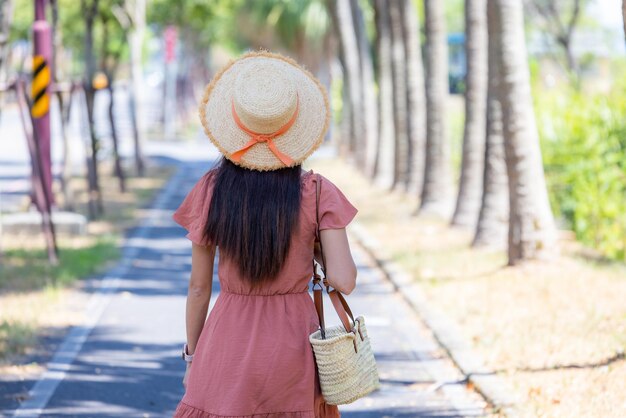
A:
<point x="186" y="356"/>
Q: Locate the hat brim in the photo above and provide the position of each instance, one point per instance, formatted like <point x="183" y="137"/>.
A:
<point x="301" y="140"/>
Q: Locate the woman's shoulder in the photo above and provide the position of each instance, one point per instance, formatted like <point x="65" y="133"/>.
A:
<point x="335" y="209"/>
<point x="310" y="179"/>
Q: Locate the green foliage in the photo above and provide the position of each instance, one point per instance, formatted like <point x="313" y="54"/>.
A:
<point x="200" y="23"/>
<point x="72" y="30"/>
<point x="455" y="16"/>
<point x="293" y="21"/>
<point x="584" y="149"/>
<point x="21" y="24"/>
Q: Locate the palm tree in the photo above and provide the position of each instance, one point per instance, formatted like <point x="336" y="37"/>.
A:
<point x="416" y="100"/>
<point x="531" y="225"/>
<point x="341" y="13"/>
<point x="470" y="184"/>
<point x="436" y="190"/>
<point x="384" y="168"/>
<point x="624" y="16"/>
<point x="398" y="63"/>
<point x="6" y="14"/>
<point x="493" y="220"/>
<point x="368" y="92"/>
<point x="136" y="10"/>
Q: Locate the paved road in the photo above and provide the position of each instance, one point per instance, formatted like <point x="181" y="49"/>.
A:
<point x="125" y="361"/>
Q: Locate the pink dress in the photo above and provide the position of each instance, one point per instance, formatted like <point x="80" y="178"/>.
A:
<point x="253" y="358"/>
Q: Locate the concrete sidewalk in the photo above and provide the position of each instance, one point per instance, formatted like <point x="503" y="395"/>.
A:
<point x="125" y="360"/>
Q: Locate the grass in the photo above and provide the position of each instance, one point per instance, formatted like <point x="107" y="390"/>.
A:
<point x="16" y="336"/>
<point x="24" y="270"/>
<point x="37" y="299"/>
<point x="555" y="330"/>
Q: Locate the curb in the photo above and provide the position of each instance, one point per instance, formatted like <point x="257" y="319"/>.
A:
<point x="447" y="333"/>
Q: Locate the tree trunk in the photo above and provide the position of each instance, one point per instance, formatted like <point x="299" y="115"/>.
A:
<point x="437" y="185"/>
<point x="493" y="220"/>
<point x="43" y="200"/>
<point x="137" y="11"/>
<point x="95" y="197"/>
<point x="344" y="24"/>
<point x="64" y="108"/>
<point x="398" y="64"/>
<point x="386" y="145"/>
<point x="470" y="183"/>
<point x="118" y="170"/>
<point x="416" y="99"/>
<point x="572" y="63"/>
<point x="93" y="178"/>
<point x="345" y="128"/>
<point x="531" y="225"/>
<point x="6" y="15"/>
<point x="368" y="99"/>
<point x="56" y="39"/>
<point x="624" y="16"/>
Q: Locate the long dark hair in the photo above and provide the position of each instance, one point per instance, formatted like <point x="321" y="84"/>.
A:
<point x="252" y="216"/>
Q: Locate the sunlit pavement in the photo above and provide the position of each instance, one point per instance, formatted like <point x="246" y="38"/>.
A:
<point x="125" y="361"/>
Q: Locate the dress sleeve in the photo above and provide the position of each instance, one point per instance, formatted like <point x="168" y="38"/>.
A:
<point x="193" y="212"/>
<point x="336" y="211"/>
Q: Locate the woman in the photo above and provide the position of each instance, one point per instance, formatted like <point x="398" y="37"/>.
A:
<point x="252" y="356"/>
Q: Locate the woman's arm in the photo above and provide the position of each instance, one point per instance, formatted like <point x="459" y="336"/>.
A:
<point x="339" y="263"/>
<point x="199" y="293"/>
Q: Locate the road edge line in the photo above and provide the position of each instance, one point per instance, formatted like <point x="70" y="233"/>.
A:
<point x="56" y="368"/>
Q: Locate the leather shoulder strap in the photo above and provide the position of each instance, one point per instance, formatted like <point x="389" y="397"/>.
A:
<point x="339" y="302"/>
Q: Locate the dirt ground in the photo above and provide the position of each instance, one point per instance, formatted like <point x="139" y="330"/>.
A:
<point x="556" y="330"/>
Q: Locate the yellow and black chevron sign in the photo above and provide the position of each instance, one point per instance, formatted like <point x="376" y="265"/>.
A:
<point x="41" y="80"/>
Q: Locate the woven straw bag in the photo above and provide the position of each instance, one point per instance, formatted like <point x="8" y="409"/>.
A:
<point x="345" y="360"/>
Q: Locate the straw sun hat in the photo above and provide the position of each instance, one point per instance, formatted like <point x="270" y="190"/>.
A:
<point x="264" y="112"/>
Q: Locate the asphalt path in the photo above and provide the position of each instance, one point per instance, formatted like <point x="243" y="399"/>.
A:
<point x="124" y="362"/>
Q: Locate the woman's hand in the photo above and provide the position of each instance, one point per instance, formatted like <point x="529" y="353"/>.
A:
<point x="186" y="377"/>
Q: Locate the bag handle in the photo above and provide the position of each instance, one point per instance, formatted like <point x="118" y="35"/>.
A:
<point x="337" y="299"/>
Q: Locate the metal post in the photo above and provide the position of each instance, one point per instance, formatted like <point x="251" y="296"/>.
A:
<point x="42" y="75"/>
<point x="170" y="83"/>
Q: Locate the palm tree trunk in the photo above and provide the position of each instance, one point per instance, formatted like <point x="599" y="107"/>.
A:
<point x="64" y="175"/>
<point x="470" y="183"/>
<point x="346" y="121"/>
<point x="624" y="16"/>
<point x="137" y="11"/>
<point x="398" y="62"/>
<point x="437" y="185"/>
<point x="368" y="93"/>
<point x="344" y="24"/>
<point x="6" y="15"/>
<point x="531" y="225"/>
<point x="386" y="148"/>
<point x="64" y="108"/>
<point x="416" y="99"/>
<point x="493" y="220"/>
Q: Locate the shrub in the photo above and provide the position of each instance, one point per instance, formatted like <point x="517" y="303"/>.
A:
<point x="583" y="141"/>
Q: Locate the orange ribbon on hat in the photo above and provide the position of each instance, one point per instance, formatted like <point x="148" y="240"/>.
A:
<point x="257" y="137"/>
